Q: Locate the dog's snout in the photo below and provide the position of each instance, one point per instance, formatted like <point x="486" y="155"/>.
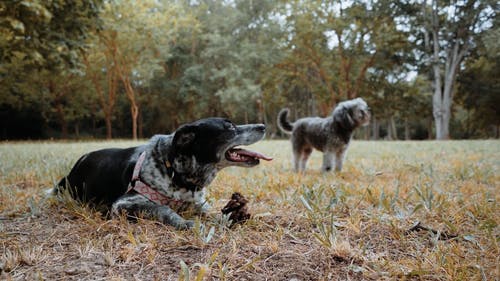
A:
<point x="257" y="129"/>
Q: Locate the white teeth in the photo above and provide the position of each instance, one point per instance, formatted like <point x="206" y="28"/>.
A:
<point x="234" y="156"/>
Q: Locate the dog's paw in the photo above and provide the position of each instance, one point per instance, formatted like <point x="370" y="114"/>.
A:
<point x="186" y="224"/>
<point x="202" y="209"/>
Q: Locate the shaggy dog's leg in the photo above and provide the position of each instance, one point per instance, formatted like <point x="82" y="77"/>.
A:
<point x="304" y="156"/>
<point x="136" y="204"/>
<point x="339" y="159"/>
<point x="327" y="161"/>
<point x="300" y="159"/>
<point x="303" y="161"/>
<point x="296" y="160"/>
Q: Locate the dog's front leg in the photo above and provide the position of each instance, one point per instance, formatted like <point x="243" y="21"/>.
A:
<point x="339" y="159"/>
<point x="200" y="204"/>
<point x="168" y="216"/>
<point x="202" y="209"/>
<point x="136" y="204"/>
<point x="327" y="161"/>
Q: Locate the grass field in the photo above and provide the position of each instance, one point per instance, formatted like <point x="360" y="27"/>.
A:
<point x="355" y="225"/>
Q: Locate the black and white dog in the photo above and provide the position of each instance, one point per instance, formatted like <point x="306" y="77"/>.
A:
<point x="330" y="135"/>
<point x="170" y="170"/>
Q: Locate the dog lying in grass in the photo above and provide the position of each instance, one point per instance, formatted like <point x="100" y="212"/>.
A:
<point x="167" y="173"/>
<point x="330" y="135"/>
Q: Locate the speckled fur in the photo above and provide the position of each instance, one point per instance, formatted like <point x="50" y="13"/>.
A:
<point x="154" y="172"/>
<point x="330" y="135"/>
<point x="179" y="166"/>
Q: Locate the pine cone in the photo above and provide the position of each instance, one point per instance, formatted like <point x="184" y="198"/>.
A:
<point x="237" y="209"/>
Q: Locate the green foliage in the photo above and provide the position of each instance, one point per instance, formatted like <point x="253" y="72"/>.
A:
<point x="40" y="45"/>
<point x="235" y="51"/>
<point x="479" y="90"/>
<point x="90" y="63"/>
<point x="45" y="34"/>
<point x="322" y="217"/>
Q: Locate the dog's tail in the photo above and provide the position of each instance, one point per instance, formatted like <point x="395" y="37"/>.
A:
<point x="283" y="122"/>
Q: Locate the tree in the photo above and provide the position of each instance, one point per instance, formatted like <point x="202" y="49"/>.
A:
<point x="42" y="39"/>
<point x="332" y="48"/>
<point x="45" y="34"/>
<point x="38" y="35"/>
<point x="479" y="88"/>
<point x="97" y="67"/>
<point x="233" y="53"/>
<point x="245" y="60"/>
<point x="135" y="39"/>
<point x="449" y="30"/>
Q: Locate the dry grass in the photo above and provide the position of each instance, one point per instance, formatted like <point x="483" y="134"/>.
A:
<point x="347" y="226"/>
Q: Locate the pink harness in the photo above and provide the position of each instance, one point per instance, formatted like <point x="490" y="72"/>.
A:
<point x="144" y="189"/>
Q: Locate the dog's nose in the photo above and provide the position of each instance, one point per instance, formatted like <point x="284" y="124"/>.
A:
<point x="261" y="127"/>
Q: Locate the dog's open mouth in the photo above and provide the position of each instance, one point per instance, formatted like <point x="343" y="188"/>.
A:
<point x="241" y="155"/>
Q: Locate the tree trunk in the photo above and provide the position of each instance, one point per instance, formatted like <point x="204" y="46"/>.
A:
<point x="429" y="129"/>
<point x="264" y="115"/>
<point x="392" y="123"/>
<point x="375" y="129"/>
<point x="407" y="129"/>
<point x="389" y="130"/>
<point x="443" y="94"/>
<point x="437" y="97"/>
<point x="62" y="120"/>
<point x="129" y="90"/>
<point x="443" y="97"/>
<point x="109" y="132"/>
<point x="134" y="112"/>
<point x="260" y="111"/>
<point x="494" y="133"/>
<point x="77" y="130"/>
<point x="141" y="125"/>
<point x="135" y="115"/>
<point x="312" y="108"/>
<point x="94" y="126"/>
<point x="109" y="103"/>
<point x="106" y="104"/>
<point x="57" y="99"/>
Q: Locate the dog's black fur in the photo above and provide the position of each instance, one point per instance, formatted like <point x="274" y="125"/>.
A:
<point x="179" y="166"/>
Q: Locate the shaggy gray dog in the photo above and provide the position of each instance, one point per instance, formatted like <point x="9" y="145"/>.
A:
<point x="330" y="135"/>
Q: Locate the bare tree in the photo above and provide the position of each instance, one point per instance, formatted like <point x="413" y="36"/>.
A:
<point x="450" y="28"/>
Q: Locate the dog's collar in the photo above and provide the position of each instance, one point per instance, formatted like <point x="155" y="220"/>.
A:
<point x="144" y="189"/>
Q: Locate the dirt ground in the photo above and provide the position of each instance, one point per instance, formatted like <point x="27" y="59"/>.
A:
<point x="359" y="224"/>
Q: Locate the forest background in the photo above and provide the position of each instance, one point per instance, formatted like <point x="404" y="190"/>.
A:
<point x="130" y="69"/>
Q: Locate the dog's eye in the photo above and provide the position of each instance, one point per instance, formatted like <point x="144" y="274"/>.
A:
<point x="229" y="126"/>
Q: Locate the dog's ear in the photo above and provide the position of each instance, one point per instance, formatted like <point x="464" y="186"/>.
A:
<point x="184" y="136"/>
<point x="343" y="118"/>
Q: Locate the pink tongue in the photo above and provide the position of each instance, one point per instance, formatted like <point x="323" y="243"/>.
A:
<point x="252" y="154"/>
